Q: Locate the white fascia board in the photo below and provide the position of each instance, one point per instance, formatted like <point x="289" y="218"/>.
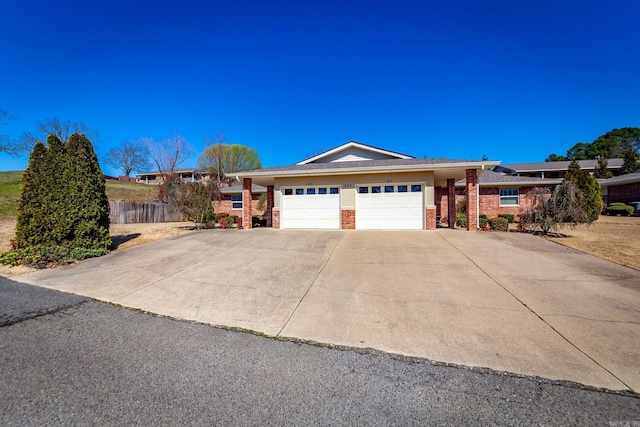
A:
<point x="349" y="145"/>
<point x="370" y="169"/>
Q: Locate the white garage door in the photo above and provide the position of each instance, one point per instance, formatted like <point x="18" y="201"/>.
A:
<point x="389" y="207"/>
<point x="310" y="207"/>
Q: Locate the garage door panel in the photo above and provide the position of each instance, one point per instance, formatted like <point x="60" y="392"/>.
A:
<point x="310" y="210"/>
<point x="391" y="209"/>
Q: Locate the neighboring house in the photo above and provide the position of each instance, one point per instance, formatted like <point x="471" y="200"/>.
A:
<point x="554" y="169"/>
<point x="623" y="188"/>
<point x="187" y="175"/>
<point x="357" y="186"/>
<point x="503" y="194"/>
<point x="231" y="200"/>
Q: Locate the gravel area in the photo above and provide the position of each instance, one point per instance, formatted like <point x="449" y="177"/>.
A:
<point x="99" y="364"/>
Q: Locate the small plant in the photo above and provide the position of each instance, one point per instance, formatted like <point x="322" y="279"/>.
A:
<point x="221" y="216"/>
<point x="511" y="218"/>
<point x="483" y="221"/>
<point x="461" y="220"/>
<point x="619" y="209"/>
<point x="258" y="221"/>
<point x="499" y="224"/>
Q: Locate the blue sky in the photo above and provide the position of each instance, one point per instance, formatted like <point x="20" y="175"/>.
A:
<point x="510" y="79"/>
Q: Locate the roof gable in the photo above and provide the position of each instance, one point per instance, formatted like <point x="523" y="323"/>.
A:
<point x="352" y="152"/>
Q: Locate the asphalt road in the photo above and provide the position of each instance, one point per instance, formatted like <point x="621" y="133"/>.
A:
<point x="68" y="360"/>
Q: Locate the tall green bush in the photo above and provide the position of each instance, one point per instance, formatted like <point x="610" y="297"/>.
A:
<point x="63" y="207"/>
<point x="590" y="193"/>
<point x="31" y="223"/>
<point x="88" y="207"/>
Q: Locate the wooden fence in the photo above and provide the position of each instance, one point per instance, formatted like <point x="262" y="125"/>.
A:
<point x="122" y="212"/>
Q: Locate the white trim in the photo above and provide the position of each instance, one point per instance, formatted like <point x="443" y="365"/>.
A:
<point x="367" y="169"/>
<point x="351" y="145"/>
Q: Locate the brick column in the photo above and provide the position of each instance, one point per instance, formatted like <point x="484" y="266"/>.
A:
<point x="431" y="218"/>
<point x="451" y="202"/>
<point x="268" y="212"/>
<point x="472" y="200"/>
<point x="348" y="219"/>
<point x="276" y="219"/>
<point x="246" y="203"/>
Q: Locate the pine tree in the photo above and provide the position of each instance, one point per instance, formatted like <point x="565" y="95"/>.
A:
<point x="55" y="199"/>
<point x="631" y="163"/>
<point x="591" y="197"/>
<point x="602" y="168"/>
<point x="31" y="222"/>
<point x="88" y="207"/>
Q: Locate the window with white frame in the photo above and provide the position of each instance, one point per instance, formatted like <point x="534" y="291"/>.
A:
<point x="236" y="202"/>
<point x="509" y="196"/>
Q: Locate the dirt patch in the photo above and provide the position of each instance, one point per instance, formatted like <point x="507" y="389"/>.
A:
<point x="7" y="232"/>
<point x="614" y="238"/>
<point x="128" y="235"/>
<point x="124" y="235"/>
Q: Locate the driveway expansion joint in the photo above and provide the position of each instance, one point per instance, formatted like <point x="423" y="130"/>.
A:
<point x="540" y="317"/>
<point x="312" y="283"/>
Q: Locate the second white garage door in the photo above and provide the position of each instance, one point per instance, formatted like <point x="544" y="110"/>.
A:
<point x="389" y="207"/>
<point x="310" y="207"/>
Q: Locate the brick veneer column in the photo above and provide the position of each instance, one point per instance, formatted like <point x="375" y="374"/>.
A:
<point x="246" y="203"/>
<point x="348" y="219"/>
<point x="431" y="218"/>
<point x="268" y="212"/>
<point x="472" y="200"/>
<point x="275" y="219"/>
<point x="451" y="203"/>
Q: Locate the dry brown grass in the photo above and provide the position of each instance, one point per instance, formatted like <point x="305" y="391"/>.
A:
<point x="124" y="235"/>
<point x="614" y="238"/>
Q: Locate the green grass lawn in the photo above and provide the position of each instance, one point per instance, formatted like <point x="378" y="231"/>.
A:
<point x="9" y="192"/>
<point x="10" y="183"/>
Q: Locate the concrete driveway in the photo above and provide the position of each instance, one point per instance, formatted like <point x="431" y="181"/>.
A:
<point x="506" y="301"/>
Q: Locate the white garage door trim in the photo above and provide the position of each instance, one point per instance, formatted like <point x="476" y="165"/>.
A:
<point x="390" y="207"/>
<point x="310" y="207"/>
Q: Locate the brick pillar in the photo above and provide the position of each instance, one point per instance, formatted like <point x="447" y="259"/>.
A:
<point x="268" y="212"/>
<point x="276" y="219"/>
<point x="451" y="202"/>
<point x="348" y="219"/>
<point x="431" y="218"/>
<point x="246" y="203"/>
<point x="472" y="200"/>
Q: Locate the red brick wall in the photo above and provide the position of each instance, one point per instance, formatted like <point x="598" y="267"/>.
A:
<point x="624" y="193"/>
<point x="472" y="200"/>
<point x="348" y="219"/>
<point x="224" y="205"/>
<point x="490" y="201"/>
<point x="275" y="219"/>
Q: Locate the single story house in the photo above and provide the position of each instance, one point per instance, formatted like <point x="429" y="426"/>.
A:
<point x="554" y="170"/>
<point x="232" y="202"/>
<point x="358" y="186"/>
<point x="500" y="193"/>
<point x="623" y="188"/>
<point x="187" y="175"/>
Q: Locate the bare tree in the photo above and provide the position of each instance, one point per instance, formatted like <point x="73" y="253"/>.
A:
<point x="62" y="129"/>
<point x="553" y="210"/>
<point x="129" y="156"/>
<point x="168" y="154"/>
<point x="192" y="199"/>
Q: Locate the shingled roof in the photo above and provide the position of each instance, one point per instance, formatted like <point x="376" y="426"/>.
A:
<point x="555" y="166"/>
<point x="495" y="178"/>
